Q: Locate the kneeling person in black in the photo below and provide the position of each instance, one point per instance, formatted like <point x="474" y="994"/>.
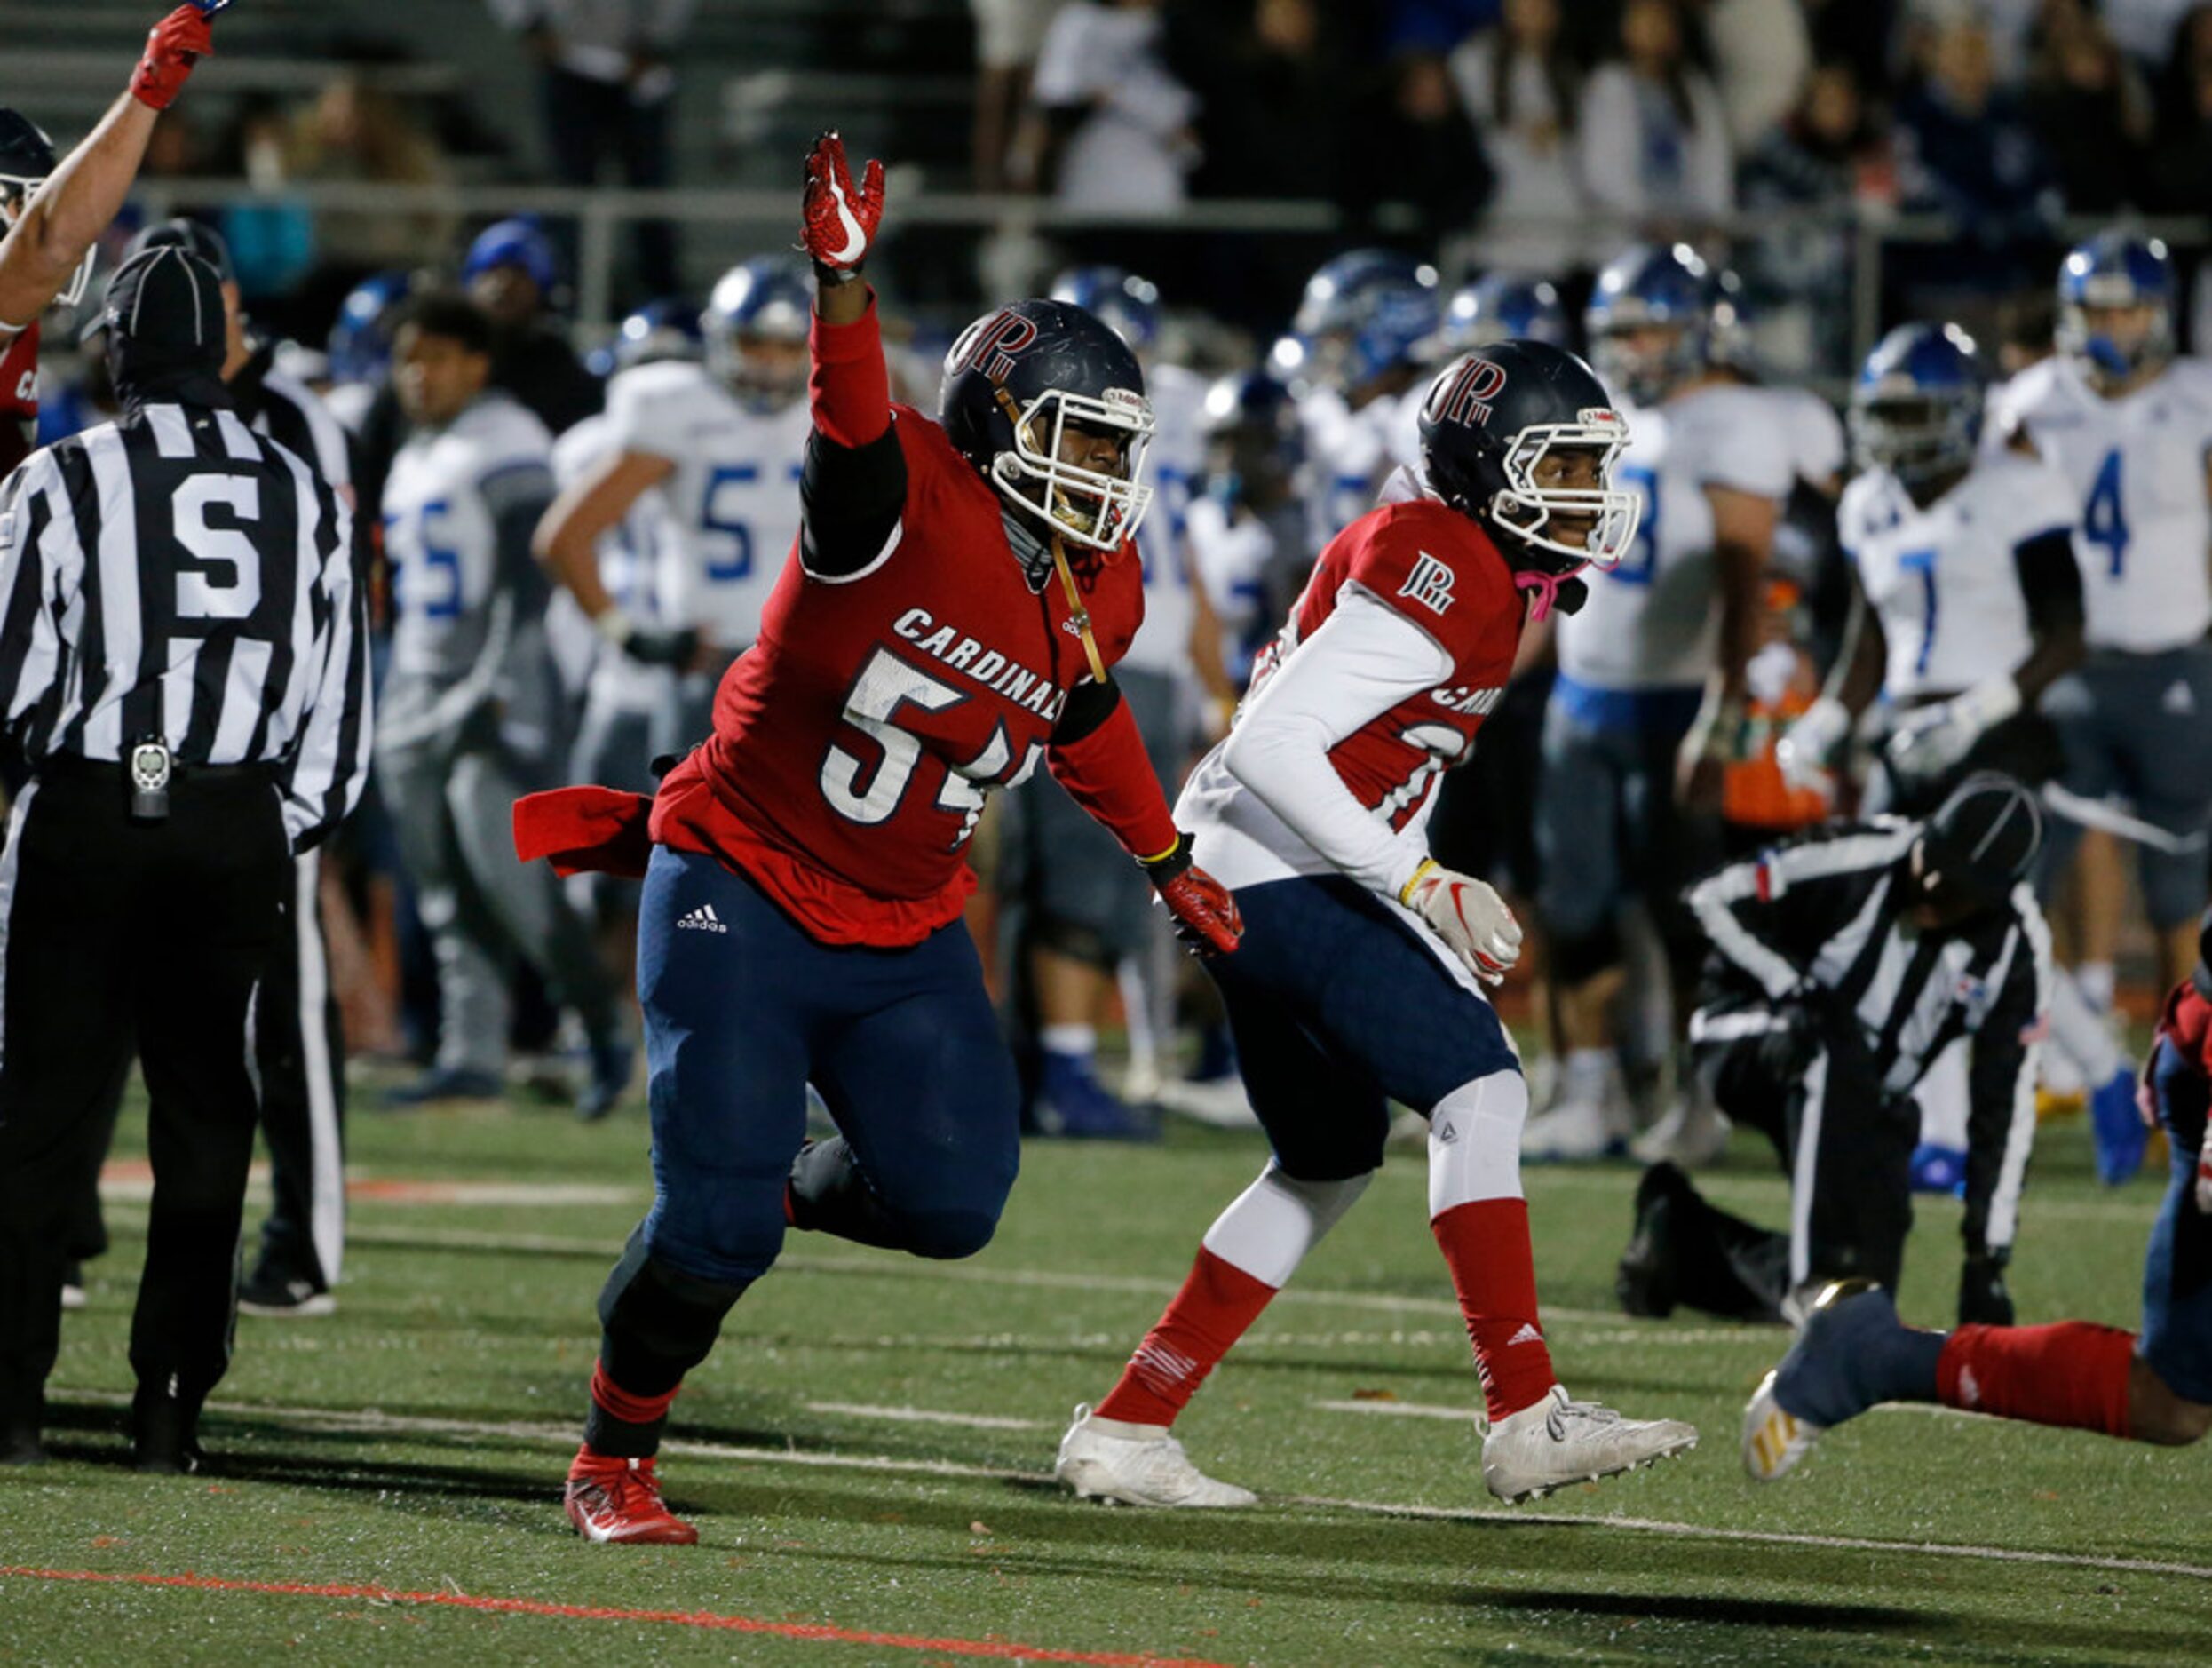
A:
<point x="1841" y="965"/>
<point x="178" y="663"/>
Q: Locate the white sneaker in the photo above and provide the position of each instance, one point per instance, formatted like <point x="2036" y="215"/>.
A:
<point x="1774" y="1440"/>
<point x="1219" y="1102"/>
<point x="1573" y="1131"/>
<point x="1138" y="1472"/>
<point x="1692" y="1136"/>
<point x="1556" y="1441"/>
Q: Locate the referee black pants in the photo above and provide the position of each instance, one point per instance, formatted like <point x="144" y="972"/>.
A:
<point x="1814" y="1089"/>
<point x="113" y="931"/>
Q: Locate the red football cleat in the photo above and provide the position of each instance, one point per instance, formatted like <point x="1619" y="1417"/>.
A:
<point x="619" y="1501"/>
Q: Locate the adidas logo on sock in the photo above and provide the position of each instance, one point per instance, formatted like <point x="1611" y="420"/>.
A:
<point x="1528" y="1334"/>
<point x="703" y="920"/>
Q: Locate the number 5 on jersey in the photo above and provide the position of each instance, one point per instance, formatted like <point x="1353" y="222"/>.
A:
<point x="886" y="685"/>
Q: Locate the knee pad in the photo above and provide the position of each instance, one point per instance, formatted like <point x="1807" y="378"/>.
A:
<point x="1475" y="1143"/>
<point x="2173" y="887"/>
<point x="1271" y="1225"/>
<point x="1076" y="939"/>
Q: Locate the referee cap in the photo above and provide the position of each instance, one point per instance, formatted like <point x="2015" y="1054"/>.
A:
<point x="202" y="240"/>
<point x="166" y="332"/>
<point x="1983" y="839"/>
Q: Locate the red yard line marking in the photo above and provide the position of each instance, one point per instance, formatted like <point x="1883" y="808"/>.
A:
<point x="986" y="1648"/>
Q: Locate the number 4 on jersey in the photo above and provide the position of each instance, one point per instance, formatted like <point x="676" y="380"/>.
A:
<point x="2104" y="520"/>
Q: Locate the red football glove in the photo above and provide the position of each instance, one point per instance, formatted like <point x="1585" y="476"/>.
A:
<point x="840" y="222"/>
<point x="1206" y="915"/>
<point x="172" y="47"/>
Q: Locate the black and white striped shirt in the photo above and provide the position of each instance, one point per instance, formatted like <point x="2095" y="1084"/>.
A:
<point x="175" y="577"/>
<point x="1830" y="911"/>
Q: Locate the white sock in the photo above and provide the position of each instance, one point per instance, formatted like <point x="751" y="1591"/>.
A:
<point x="1588" y="1073"/>
<point x="1079" y="1040"/>
<point x="2098" y="984"/>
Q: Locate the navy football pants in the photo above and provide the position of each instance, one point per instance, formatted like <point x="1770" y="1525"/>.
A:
<point x="742" y="1009"/>
<point x="2177" y="1267"/>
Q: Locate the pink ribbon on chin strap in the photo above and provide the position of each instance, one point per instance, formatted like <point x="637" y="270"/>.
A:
<point x="1546" y="586"/>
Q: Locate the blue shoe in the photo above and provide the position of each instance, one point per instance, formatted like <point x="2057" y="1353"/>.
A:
<point x="2117" y="1128"/>
<point x="612" y="1060"/>
<point x="1073" y="1102"/>
<point x="447" y="1083"/>
<point x="1938" y="1170"/>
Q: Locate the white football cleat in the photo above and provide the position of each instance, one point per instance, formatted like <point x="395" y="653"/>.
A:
<point x="1553" y="1442"/>
<point x="1691" y="1137"/>
<point x="1219" y="1102"/>
<point x="1137" y="1472"/>
<point x="1573" y="1131"/>
<point x="1774" y="1440"/>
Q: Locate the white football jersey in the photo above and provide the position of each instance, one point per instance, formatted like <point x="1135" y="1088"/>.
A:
<point x="1173" y="465"/>
<point x="631" y="555"/>
<point x="442" y="505"/>
<point x="1653" y="622"/>
<point x="1812" y="432"/>
<point x="1348" y="454"/>
<point x="2137" y="465"/>
<point x="732" y="499"/>
<point x="1942" y="579"/>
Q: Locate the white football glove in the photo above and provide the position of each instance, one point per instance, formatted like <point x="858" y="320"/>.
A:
<point x="1468" y="916"/>
<point x="1934" y="740"/>
<point x="1804" y="750"/>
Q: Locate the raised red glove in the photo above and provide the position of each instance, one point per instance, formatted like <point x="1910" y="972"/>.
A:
<point x="172" y="47"/>
<point x="841" y="222"/>
<point x="1206" y="916"/>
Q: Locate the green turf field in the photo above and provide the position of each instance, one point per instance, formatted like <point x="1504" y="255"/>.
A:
<point x="868" y="1454"/>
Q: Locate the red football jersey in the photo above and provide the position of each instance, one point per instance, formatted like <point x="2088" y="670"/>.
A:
<point x="854" y="743"/>
<point x="19" y="397"/>
<point x="1438" y="569"/>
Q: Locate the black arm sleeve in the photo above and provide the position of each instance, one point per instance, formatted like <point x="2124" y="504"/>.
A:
<point x="2050" y="582"/>
<point x="1088" y="706"/>
<point x="850" y="498"/>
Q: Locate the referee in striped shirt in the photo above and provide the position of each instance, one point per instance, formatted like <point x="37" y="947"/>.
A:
<point x="1842" y="967"/>
<point x="182" y="664"/>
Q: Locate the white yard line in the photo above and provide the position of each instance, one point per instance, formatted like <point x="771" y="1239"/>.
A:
<point x="563" y="1436"/>
<point x="925" y="1416"/>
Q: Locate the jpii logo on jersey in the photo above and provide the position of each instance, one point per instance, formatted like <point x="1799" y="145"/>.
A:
<point x="1429" y="584"/>
<point x="991" y="343"/>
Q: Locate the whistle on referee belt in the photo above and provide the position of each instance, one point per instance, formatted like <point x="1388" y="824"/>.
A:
<point x="151" y="766"/>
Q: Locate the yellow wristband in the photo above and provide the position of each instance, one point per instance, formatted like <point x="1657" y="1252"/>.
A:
<point x="1405" y="892"/>
<point x="1163" y="856"/>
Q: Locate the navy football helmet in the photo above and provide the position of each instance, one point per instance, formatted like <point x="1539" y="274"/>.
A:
<point x="1917" y="409"/>
<point x="1500" y="307"/>
<point x="1658" y="289"/>
<point x="361" y="340"/>
<point x="1500" y="430"/>
<point x="2116" y="270"/>
<point x="1362" y="315"/>
<point x="27" y="157"/>
<point x="1129" y="305"/>
<point x="1255" y="444"/>
<point x="1021" y="381"/>
<point x="768" y="299"/>
<point x="517" y="243"/>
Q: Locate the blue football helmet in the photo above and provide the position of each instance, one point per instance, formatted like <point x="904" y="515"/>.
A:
<point x="768" y="299"/>
<point x="2116" y="269"/>
<point x="515" y="242"/>
<point x="1021" y="380"/>
<point x="361" y="339"/>
<point x="1255" y="443"/>
<point x="1129" y="305"/>
<point x="1652" y="287"/>
<point x="663" y="329"/>
<point x="1500" y="307"/>
<point x="1363" y="314"/>
<point x="1916" y="408"/>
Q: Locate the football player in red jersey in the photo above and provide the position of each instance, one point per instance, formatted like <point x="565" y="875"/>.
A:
<point x="1360" y="978"/>
<point x="46" y="254"/>
<point x="942" y="627"/>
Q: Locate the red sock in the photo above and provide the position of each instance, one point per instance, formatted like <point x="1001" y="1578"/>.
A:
<point x="1218" y="1302"/>
<point x="1485" y="1246"/>
<point x="623" y="1425"/>
<point x="2074" y="1373"/>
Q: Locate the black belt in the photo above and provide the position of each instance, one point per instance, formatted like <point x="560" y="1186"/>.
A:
<point x="69" y="767"/>
<point x="146" y="778"/>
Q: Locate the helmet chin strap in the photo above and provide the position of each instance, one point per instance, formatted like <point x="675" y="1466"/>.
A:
<point x="1078" y="616"/>
<point x="1546" y="587"/>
